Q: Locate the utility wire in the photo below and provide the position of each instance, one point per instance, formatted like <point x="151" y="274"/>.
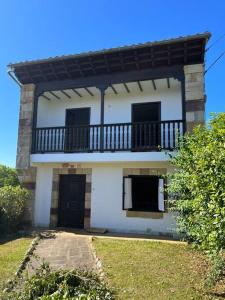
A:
<point x="216" y="41"/>
<point x="215" y="61"/>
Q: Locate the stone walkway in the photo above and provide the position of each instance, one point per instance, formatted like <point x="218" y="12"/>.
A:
<point x="65" y="250"/>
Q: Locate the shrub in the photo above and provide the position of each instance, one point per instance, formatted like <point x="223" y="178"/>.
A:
<point x="12" y="206"/>
<point x="8" y="176"/>
<point x="198" y="187"/>
<point x="47" y="284"/>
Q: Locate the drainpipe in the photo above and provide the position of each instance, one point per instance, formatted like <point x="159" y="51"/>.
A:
<point x="11" y="73"/>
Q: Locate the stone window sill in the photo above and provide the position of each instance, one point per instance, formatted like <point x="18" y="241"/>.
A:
<point x="144" y="214"/>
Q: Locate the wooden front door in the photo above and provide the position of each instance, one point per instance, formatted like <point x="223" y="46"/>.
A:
<point x="146" y="127"/>
<point x="78" y="131"/>
<point x="71" y="201"/>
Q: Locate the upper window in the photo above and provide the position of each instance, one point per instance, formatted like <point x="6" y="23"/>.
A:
<point x="143" y="193"/>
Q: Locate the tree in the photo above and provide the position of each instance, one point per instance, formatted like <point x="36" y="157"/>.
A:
<point x="197" y="186"/>
<point x="8" y="176"/>
<point x="12" y="206"/>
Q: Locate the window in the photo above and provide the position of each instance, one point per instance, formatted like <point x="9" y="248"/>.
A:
<point x="143" y="193"/>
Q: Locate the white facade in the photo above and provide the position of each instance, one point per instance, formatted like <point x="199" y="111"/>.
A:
<point x="107" y="168"/>
<point x="117" y="107"/>
<point x="106" y="209"/>
<point x="106" y="200"/>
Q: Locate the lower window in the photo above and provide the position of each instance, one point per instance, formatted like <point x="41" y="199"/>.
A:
<point x="143" y="193"/>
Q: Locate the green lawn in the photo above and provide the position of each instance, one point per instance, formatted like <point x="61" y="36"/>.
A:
<point x="11" y="254"/>
<point x="152" y="270"/>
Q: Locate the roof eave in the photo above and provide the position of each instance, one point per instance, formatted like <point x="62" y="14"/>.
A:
<point x="205" y="35"/>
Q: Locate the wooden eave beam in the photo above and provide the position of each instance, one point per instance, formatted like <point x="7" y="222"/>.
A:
<point x="108" y="79"/>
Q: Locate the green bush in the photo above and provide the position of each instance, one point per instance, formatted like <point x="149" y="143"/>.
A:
<point x="47" y="284"/>
<point x="8" y="176"/>
<point x="12" y="206"/>
<point x="198" y="187"/>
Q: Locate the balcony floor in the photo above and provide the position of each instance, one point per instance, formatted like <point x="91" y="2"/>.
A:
<point x="96" y="157"/>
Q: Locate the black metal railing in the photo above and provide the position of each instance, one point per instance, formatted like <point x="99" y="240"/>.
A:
<point x="145" y="136"/>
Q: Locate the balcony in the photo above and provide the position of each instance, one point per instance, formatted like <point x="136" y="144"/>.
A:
<point x="139" y="137"/>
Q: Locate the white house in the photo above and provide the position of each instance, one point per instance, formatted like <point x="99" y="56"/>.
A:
<point x="95" y="129"/>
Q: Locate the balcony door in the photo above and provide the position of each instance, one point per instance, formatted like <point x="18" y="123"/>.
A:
<point x="146" y="133"/>
<point x="77" y="136"/>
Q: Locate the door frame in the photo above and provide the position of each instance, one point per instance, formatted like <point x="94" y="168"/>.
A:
<point x="68" y="131"/>
<point x="83" y="176"/>
<point x="78" y="108"/>
<point x="159" y="104"/>
<point x="142" y="103"/>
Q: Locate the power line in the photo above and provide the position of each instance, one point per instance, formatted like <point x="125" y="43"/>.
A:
<point x="216" y="41"/>
<point x="215" y="61"/>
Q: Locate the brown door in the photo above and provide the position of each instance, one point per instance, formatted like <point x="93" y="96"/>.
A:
<point x="71" y="201"/>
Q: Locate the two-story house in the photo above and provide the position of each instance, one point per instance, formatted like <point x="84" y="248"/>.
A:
<point x="94" y="129"/>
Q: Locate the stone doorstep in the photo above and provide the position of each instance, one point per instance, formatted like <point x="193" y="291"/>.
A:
<point x="96" y="230"/>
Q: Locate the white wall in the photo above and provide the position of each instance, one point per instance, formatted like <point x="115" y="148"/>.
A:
<point x="117" y="107"/>
<point x="43" y="194"/>
<point x="106" y="206"/>
<point x="106" y="201"/>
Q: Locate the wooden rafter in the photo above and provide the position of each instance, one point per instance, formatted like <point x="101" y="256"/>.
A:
<point x="153" y="83"/>
<point x="53" y="94"/>
<point x="77" y="93"/>
<point x="136" y="60"/>
<point x="89" y="92"/>
<point x="79" y="68"/>
<point x="92" y="65"/>
<point x="180" y="52"/>
<point x="108" y="79"/>
<point x="65" y="93"/>
<point x="47" y="98"/>
<point x="140" y="86"/>
<point x="126" y="87"/>
<point x="114" y="90"/>
<point x="107" y="63"/>
<point x="168" y="83"/>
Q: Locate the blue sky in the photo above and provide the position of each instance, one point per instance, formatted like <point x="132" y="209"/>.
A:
<point x="31" y="29"/>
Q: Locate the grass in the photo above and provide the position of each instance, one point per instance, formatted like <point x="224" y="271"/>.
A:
<point x="153" y="270"/>
<point x="11" y="254"/>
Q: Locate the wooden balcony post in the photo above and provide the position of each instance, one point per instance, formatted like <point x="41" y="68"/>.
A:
<point x="102" y="89"/>
<point x="34" y="121"/>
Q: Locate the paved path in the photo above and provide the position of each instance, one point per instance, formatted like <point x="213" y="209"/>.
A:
<point x="66" y="250"/>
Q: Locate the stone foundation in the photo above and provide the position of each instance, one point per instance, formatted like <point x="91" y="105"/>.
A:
<point x="55" y="193"/>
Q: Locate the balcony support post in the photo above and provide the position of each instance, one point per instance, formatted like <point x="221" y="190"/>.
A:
<point x="102" y="89"/>
<point x="34" y="121"/>
<point x="181" y="78"/>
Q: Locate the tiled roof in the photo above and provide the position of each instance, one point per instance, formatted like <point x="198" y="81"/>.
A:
<point x="205" y="35"/>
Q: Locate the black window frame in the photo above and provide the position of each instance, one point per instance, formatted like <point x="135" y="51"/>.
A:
<point x="132" y="209"/>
